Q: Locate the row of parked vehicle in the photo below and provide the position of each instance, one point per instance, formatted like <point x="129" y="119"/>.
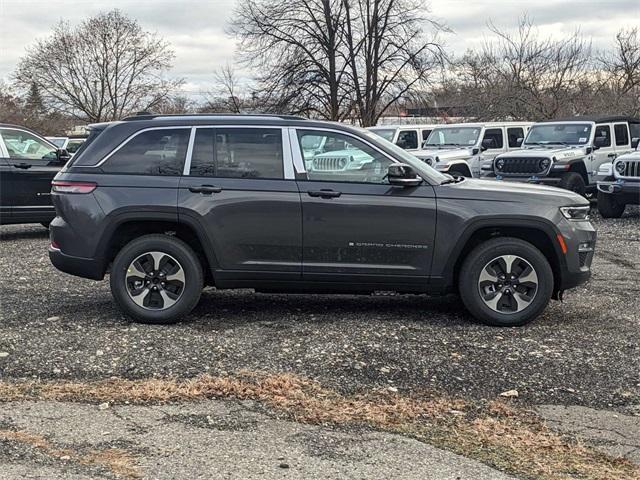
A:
<point x="582" y="154"/>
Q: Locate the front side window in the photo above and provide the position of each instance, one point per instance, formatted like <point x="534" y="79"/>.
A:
<point x="354" y="161"/>
<point x="622" y="134"/>
<point x="493" y="138"/>
<point x="22" y="145"/>
<point x="408" y="139"/>
<point x="513" y="134"/>
<point x="240" y="153"/>
<point x="605" y="132"/>
<point x="453" y="137"/>
<point x="558" y="134"/>
<point x="154" y="152"/>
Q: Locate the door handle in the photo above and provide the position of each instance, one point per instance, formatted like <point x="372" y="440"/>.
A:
<point x="324" y="193"/>
<point x="205" y="189"/>
<point x="22" y="165"/>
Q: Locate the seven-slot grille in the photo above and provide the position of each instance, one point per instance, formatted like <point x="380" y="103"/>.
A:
<point x="329" y="163"/>
<point x="631" y="168"/>
<point x="521" y="166"/>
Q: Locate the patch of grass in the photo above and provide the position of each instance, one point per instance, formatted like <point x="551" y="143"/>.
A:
<point x="508" y="438"/>
<point x="116" y="460"/>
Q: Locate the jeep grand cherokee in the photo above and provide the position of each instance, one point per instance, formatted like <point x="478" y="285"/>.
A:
<point x="168" y="204"/>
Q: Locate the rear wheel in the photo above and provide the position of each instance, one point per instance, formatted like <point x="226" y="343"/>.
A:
<point x="608" y="206"/>
<point x="573" y="181"/>
<point x="156" y="279"/>
<point x="506" y="282"/>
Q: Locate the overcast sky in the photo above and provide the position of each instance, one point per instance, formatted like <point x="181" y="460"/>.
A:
<point x="195" y="28"/>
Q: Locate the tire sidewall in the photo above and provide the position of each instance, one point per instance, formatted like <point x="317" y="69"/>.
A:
<point x="574" y="182"/>
<point x="609" y="207"/>
<point x="480" y="257"/>
<point x="165" y="244"/>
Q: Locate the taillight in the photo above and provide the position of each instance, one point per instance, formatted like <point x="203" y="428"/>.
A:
<point x="59" y="186"/>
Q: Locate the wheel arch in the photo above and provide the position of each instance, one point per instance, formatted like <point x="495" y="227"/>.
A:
<point x="540" y="234"/>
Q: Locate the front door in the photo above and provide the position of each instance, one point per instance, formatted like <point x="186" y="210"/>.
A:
<point x="32" y="165"/>
<point x="604" y="154"/>
<point x="240" y="188"/>
<point x="357" y="227"/>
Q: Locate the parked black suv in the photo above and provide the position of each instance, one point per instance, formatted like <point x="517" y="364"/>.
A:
<point x="283" y="204"/>
<point x="28" y="163"/>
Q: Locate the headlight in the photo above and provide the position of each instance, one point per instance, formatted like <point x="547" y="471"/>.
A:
<point x="428" y="161"/>
<point x="544" y="163"/>
<point x="500" y="164"/>
<point x="576" y="213"/>
<point x="620" y="167"/>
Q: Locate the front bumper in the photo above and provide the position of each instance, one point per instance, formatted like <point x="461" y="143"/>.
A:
<point x="627" y="190"/>
<point x="553" y="181"/>
<point x="575" y="265"/>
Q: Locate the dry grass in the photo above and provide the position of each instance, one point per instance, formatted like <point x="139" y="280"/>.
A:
<point x="511" y="439"/>
<point x="116" y="460"/>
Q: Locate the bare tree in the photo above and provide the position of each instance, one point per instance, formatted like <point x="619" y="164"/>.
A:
<point x="103" y="69"/>
<point x="620" y="83"/>
<point x="522" y="75"/>
<point x="388" y="52"/>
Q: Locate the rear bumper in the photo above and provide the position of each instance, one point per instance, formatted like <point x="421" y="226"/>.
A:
<point x="81" y="267"/>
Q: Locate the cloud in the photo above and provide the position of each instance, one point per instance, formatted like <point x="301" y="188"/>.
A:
<point x="196" y="28"/>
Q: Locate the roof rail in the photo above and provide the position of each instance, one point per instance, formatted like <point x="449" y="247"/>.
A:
<point x="149" y="116"/>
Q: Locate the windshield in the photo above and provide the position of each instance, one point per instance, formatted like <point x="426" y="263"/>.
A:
<point x="559" y="134"/>
<point x="386" y="133"/>
<point x="453" y="136"/>
<point x="405" y="157"/>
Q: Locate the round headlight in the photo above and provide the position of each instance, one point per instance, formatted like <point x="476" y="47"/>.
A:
<point x="544" y="163"/>
<point x="500" y="163"/>
<point x="620" y="168"/>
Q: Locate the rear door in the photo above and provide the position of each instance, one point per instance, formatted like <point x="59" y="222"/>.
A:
<point x="32" y="163"/>
<point x="239" y="186"/>
<point x="357" y="227"/>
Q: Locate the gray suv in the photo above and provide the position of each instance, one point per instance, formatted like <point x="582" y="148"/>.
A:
<point x="168" y="204"/>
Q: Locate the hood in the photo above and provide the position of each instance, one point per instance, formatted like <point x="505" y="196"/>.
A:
<point x="519" y="192"/>
<point x="446" y="153"/>
<point x="561" y="153"/>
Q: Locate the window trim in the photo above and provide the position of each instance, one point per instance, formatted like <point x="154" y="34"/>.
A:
<point x="287" y="162"/>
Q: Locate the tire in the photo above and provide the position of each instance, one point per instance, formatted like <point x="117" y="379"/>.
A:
<point x="573" y="181"/>
<point x="608" y="206"/>
<point x="485" y="258"/>
<point x="161" y="261"/>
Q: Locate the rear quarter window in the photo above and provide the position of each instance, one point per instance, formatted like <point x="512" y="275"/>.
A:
<point x="152" y="152"/>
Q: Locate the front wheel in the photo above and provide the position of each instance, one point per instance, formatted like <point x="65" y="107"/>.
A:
<point x="156" y="279"/>
<point x="608" y="206"/>
<point x="573" y="181"/>
<point x="505" y="282"/>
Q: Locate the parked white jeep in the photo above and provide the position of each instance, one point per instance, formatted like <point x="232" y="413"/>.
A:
<point x="409" y="137"/>
<point x="461" y="148"/>
<point x="566" y="153"/>
<point x="619" y="183"/>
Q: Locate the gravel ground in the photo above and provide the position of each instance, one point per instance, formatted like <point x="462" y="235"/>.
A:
<point x="585" y="351"/>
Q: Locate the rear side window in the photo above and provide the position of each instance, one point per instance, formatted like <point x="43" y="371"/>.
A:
<point x="604" y="131"/>
<point x="622" y="135"/>
<point x="237" y="153"/>
<point x="154" y="152"/>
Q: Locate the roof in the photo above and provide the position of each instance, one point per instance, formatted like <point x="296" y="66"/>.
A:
<point x="405" y="125"/>
<point x="210" y="116"/>
<point x="484" y="124"/>
<point x="595" y="119"/>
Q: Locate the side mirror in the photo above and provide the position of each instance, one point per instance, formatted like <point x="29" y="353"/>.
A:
<point x="519" y="141"/>
<point x="402" y="175"/>
<point x="634" y="143"/>
<point x="600" y="142"/>
<point x="487" y="143"/>
<point x="62" y="155"/>
<point x="475" y="151"/>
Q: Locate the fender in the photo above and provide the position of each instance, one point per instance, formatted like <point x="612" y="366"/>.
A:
<point x="543" y="225"/>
